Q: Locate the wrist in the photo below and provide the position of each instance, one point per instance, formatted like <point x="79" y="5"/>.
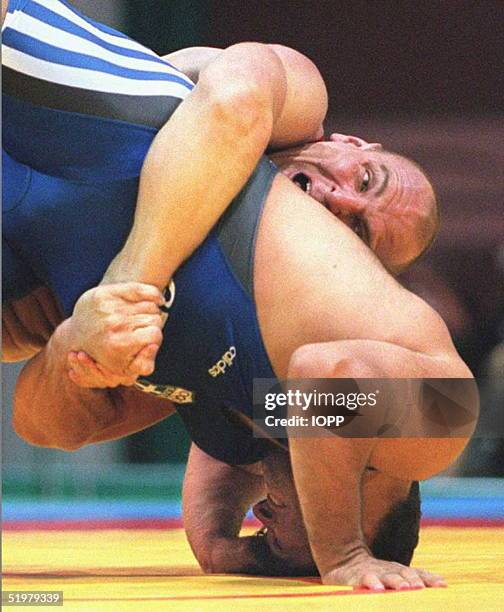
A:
<point x="344" y="557"/>
<point x="134" y="264"/>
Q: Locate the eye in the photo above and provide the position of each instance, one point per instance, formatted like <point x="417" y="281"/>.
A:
<point x="366" y="179"/>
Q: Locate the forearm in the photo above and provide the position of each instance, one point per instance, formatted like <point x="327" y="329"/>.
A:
<point x="216" y="498"/>
<point x="328" y="473"/>
<point x="339" y="462"/>
<point x="50" y="410"/>
<point x="244" y="100"/>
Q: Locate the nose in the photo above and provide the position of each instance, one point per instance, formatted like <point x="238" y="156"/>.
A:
<point x="344" y="169"/>
<point x="342" y="203"/>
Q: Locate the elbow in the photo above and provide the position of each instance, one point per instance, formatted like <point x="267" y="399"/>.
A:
<point x="58" y="438"/>
<point x="205" y="559"/>
<point x="320" y="361"/>
<point x="207" y="566"/>
<point x="219" y="555"/>
<point x="243" y="89"/>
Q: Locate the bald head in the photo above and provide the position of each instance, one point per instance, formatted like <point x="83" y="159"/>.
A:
<point x="423" y="210"/>
<point x="386" y="199"/>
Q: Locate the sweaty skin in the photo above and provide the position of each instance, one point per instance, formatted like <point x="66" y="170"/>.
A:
<point x="304" y="257"/>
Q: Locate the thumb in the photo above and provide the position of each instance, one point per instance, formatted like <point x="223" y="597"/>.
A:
<point x="144" y="361"/>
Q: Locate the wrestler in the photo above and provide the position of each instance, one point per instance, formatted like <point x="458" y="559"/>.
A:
<point x="216" y="497"/>
<point x="355" y="321"/>
<point x="358" y="324"/>
<point x="58" y="59"/>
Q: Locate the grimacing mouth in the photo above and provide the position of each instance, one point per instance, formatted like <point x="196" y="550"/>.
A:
<point x="303" y="181"/>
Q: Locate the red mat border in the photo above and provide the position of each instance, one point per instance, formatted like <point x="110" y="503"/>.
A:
<point x="177" y="523"/>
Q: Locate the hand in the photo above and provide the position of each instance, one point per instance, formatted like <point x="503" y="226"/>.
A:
<point x="119" y="327"/>
<point x="377" y="575"/>
<point x="85" y="372"/>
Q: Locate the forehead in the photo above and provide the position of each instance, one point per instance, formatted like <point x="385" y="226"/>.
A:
<point x="400" y="214"/>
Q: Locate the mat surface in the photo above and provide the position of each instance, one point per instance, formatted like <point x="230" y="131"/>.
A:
<point x="131" y="569"/>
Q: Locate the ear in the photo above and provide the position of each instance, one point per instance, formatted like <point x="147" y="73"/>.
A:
<point x="354" y="140"/>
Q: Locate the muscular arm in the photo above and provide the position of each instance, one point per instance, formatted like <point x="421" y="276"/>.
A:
<point x="344" y="557"/>
<point x="50" y="410"/>
<point x="27" y="324"/>
<point x="248" y="96"/>
<point x="216" y="497"/>
<point x="356" y="322"/>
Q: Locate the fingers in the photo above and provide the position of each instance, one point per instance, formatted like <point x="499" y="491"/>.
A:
<point x="395" y="581"/>
<point x="144" y="336"/>
<point x="413" y="578"/>
<point x="404" y="578"/>
<point x="372" y="582"/>
<point x="432" y="580"/>
<point x="136" y="292"/>
<point x="144" y="362"/>
<point x="144" y="307"/>
<point x="85" y="372"/>
<point x="147" y="320"/>
<point x="114" y="324"/>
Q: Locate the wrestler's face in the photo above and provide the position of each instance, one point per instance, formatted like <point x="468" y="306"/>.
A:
<point x="280" y="514"/>
<point x="384" y="198"/>
<point x="283" y="523"/>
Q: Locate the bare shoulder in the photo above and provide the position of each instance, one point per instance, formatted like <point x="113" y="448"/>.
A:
<point x="315" y="281"/>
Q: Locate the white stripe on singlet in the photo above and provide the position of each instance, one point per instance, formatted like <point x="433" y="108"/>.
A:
<point x="89" y="79"/>
<point x="107" y="70"/>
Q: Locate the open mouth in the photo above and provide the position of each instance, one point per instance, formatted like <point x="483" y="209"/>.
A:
<point x="267" y="532"/>
<point x="302" y="181"/>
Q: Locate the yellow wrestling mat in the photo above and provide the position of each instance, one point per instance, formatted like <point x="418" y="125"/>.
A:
<point x="142" y="569"/>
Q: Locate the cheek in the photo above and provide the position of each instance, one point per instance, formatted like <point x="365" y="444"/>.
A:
<point x="292" y="530"/>
<point x="382" y="242"/>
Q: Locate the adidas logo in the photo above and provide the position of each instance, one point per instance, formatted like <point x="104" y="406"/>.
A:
<point x="226" y="361"/>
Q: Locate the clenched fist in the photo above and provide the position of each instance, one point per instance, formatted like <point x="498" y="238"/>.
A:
<point x="115" y="334"/>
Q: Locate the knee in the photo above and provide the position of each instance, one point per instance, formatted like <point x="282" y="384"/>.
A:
<point x="242" y="87"/>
